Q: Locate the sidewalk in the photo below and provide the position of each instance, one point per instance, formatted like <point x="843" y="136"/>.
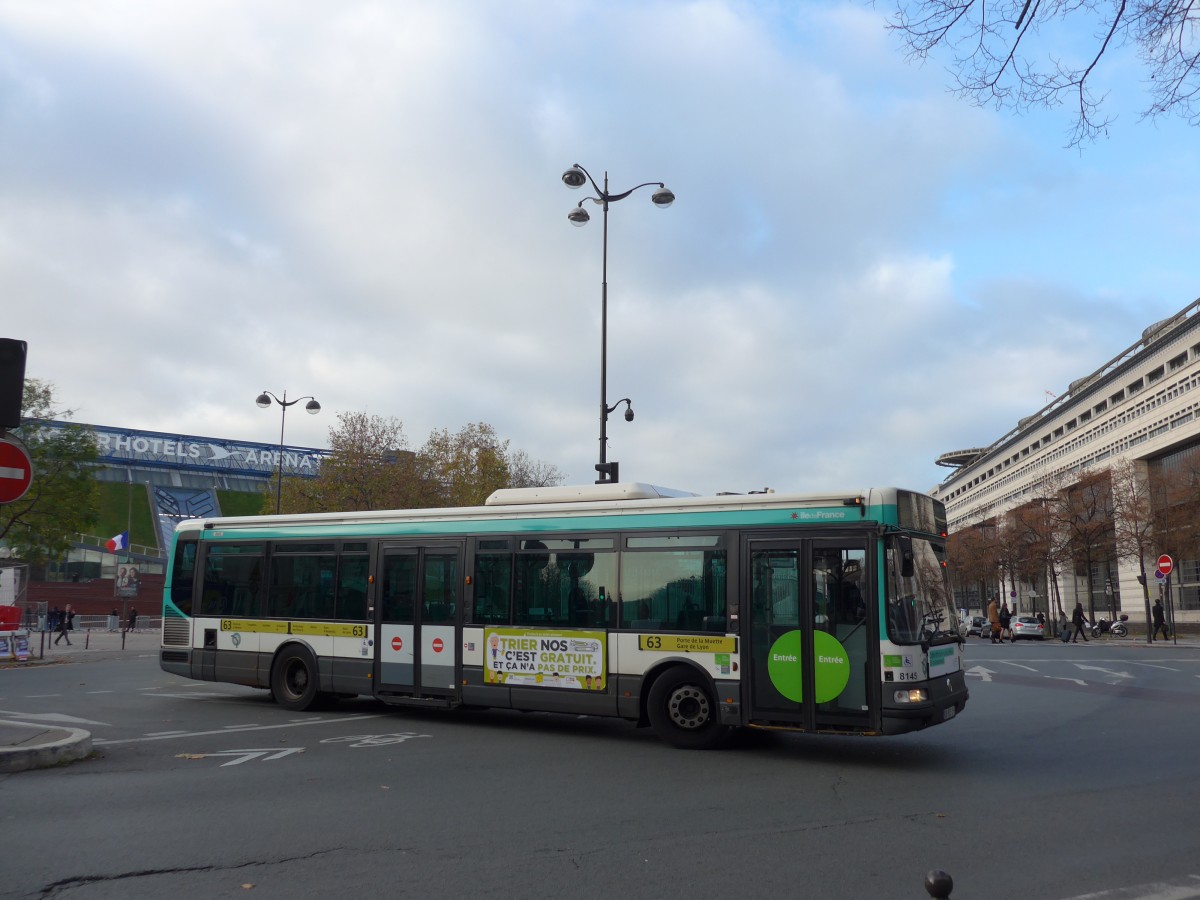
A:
<point x="32" y="745"/>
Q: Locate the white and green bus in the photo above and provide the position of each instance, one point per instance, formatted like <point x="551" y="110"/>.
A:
<point x="693" y="615"/>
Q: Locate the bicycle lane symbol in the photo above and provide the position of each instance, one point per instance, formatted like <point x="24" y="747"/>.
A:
<point x="374" y="740"/>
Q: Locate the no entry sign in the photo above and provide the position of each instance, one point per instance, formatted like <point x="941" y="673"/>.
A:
<point x="16" y="471"/>
<point x="1165" y="564"/>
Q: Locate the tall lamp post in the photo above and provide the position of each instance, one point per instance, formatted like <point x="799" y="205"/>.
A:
<point x="312" y="408"/>
<point x="576" y="177"/>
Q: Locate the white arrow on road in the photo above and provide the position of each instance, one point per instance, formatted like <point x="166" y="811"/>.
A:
<point x="247" y="755"/>
<point x="1104" y="670"/>
<point x="1078" y="681"/>
<point x="980" y="672"/>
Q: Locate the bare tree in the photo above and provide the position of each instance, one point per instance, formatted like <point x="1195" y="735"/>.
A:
<point x="1085" y="518"/>
<point x="969" y="564"/>
<point x="1133" y="520"/>
<point x="1012" y="53"/>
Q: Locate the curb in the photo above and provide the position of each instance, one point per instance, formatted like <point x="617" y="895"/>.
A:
<point x="41" y="747"/>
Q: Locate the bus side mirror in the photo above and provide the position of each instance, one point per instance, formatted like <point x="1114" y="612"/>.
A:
<point x="908" y="566"/>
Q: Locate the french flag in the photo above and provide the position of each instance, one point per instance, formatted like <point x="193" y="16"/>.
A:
<point x="120" y="542"/>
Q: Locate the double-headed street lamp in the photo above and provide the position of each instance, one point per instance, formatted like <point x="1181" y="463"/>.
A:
<point x="312" y="408"/>
<point x="575" y="177"/>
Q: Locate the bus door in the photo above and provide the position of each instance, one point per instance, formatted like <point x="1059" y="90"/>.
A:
<point x="417" y="605"/>
<point x="811" y="633"/>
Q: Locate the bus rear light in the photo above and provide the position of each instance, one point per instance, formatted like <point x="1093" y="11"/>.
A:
<point x="912" y="695"/>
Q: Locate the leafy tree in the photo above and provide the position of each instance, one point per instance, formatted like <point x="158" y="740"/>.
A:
<point x="1011" y="53"/>
<point x="464" y="468"/>
<point x="371" y="467"/>
<point x="63" y="499"/>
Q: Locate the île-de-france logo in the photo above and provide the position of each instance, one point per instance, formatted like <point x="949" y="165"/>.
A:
<point x="236" y="637"/>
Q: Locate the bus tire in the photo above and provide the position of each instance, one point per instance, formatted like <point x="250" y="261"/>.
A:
<point x="682" y="711"/>
<point x="294" y="678"/>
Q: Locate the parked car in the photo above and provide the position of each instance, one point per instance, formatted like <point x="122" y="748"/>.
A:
<point x="979" y="627"/>
<point x="1027" y="628"/>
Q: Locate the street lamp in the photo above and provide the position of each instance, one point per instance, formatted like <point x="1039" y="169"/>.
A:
<point x="576" y="177"/>
<point x="312" y="408"/>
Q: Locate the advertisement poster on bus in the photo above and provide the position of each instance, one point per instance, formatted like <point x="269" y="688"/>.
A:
<point x="538" y="658"/>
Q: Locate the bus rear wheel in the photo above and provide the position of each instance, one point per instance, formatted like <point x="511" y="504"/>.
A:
<point x="294" y="678"/>
<point x="681" y="709"/>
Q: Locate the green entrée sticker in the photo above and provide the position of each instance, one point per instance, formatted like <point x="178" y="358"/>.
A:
<point x="831" y="668"/>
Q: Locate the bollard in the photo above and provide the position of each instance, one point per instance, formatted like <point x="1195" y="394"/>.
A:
<point x="87" y="639"/>
<point x="939" y="884"/>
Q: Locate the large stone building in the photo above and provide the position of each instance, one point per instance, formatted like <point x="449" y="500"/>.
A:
<point x="1141" y="406"/>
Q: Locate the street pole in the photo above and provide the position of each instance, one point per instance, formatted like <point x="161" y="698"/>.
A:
<point x="576" y="177"/>
<point x="312" y="408"/>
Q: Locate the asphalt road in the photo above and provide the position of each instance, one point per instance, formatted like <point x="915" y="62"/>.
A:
<point x="1071" y="772"/>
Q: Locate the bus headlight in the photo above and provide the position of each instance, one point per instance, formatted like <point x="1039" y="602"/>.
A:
<point x="912" y="695"/>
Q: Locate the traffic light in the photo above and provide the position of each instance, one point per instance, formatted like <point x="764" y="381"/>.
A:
<point x="608" y="472"/>
<point x="12" y="381"/>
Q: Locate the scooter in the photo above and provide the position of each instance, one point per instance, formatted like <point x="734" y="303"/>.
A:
<point x="1117" y="629"/>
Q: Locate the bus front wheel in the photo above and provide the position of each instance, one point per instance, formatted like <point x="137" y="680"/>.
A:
<point x="682" y="711"/>
<point x="294" y="678"/>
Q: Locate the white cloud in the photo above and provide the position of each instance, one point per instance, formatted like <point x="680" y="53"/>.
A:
<point x="362" y="202"/>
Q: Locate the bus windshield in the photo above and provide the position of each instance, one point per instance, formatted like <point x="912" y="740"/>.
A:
<point x="919" y="602"/>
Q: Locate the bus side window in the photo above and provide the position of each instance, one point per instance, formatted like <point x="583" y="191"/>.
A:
<point x="493" y="588"/>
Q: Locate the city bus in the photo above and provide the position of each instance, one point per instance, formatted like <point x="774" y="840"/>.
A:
<point x="691" y="615"/>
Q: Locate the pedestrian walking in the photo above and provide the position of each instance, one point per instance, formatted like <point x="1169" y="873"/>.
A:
<point x="1006" y="623"/>
<point x="1078" y="619"/>
<point x="114" y="620"/>
<point x="66" y="624"/>
<point x="994" y="620"/>
<point x="1160" y="621"/>
<point x="132" y="618"/>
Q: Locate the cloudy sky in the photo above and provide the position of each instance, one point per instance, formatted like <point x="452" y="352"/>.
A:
<point x="362" y="201"/>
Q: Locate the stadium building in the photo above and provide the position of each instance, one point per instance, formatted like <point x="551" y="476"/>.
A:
<point x="150" y="481"/>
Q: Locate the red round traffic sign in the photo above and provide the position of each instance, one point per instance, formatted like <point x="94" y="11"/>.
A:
<point x="1165" y="564"/>
<point x="438" y="645"/>
<point x="397" y="643"/>
<point x="16" y="471"/>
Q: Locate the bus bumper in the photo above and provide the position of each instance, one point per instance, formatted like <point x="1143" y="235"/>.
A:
<point x="945" y="697"/>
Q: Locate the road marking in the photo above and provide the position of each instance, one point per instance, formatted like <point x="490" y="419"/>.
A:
<point x="1152" y="666"/>
<point x="52" y="717"/>
<point x="1078" y="681"/>
<point x="1104" y="670"/>
<point x="1187" y="888"/>
<point x="1018" y="665"/>
<point x="247" y="755"/>
<point x="375" y="740"/>
<point x="180" y="734"/>
<point x="986" y="674"/>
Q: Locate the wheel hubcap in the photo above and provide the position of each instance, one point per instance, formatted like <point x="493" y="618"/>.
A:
<point x="297" y="680"/>
<point x="688" y="707"/>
